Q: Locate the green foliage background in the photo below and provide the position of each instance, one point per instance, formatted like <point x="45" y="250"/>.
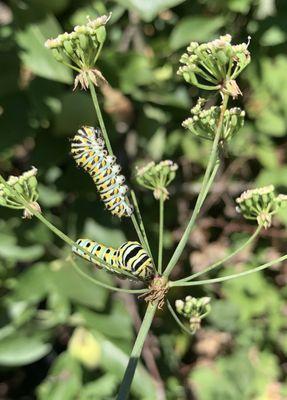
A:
<point x="241" y="351"/>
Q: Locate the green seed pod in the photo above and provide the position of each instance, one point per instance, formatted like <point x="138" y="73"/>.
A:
<point x="68" y="46"/>
<point x="84" y="41"/>
<point x="58" y="55"/>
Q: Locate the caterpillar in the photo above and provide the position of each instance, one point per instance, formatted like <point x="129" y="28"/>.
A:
<point x="88" y="150"/>
<point x="129" y="257"/>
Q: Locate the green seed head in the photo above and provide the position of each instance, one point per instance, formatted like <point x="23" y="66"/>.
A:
<point x="157" y="177"/>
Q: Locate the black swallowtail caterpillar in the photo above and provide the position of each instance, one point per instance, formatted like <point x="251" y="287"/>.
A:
<point x="88" y="150"/>
<point x="129" y="257"/>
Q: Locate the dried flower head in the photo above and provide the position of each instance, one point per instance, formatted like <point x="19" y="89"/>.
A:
<point x="260" y="204"/>
<point x="19" y="190"/>
<point x="80" y="50"/>
<point x="157" y="177"/>
<point x="204" y="122"/>
<point x="194" y="310"/>
<point x="215" y="65"/>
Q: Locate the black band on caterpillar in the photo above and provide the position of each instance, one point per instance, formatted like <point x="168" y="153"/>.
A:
<point x="129" y="257"/>
<point x="88" y="150"/>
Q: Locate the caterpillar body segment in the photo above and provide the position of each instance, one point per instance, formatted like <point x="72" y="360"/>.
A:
<point x="88" y="150"/>
<point x="129" y="257"/>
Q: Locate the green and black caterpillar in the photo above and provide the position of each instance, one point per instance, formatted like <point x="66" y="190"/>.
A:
<point x="129" y="257"/>
<point x="89" y="152"/>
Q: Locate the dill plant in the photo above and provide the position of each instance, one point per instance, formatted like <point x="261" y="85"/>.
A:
<point x="212" y="66"/>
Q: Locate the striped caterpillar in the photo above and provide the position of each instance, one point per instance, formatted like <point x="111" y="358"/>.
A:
<point x="129" y="257"/>
<point x="88" y="150"/>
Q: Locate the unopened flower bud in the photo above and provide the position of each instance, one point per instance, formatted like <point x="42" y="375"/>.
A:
<point x="260" y="204"/>
<point x="19" y="190"/>
<point x="80" y="49"/>
<point x="215" y="65"/>
<point x="194" y="310"/>
<point x="204" y="122"/>
<point x="157" y="177"/>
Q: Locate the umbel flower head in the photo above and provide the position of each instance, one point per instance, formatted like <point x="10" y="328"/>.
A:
<point x="215" y="65"/>
<point x="80" y="50"/>
<point x="19" y="190"/>
<point x="157" y="177"/>
<point x="204" y="122"/>
<point x="194" y="310"/>
<point x="261" y="204"/>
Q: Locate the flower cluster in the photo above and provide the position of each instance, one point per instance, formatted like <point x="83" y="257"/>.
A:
<point x="261" y="204"/>
<point x="215" y="65"/>
<point x="157" y="177"/>
<point x="204" y="122"/>
<point x="19" y="190"/>
<point x="194" y="310"/>
<point x="80" y="49"/>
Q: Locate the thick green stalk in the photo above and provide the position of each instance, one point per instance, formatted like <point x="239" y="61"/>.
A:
<point x="211" y="165"/>
<point x="223" y="260"/>
<point x="232" y="276"/>
<point x="160" y="241"/>
<point x="100" y="117"/>
<point x="136" y="352"/>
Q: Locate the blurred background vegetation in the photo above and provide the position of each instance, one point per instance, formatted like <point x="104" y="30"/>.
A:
<point x="61" y="338"/>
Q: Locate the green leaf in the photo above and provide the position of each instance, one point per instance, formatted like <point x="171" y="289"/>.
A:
<point x="149" y="9"/>
<point x="196" y="28"/>
<point x="64" y="380"/>
<point x="100" y="389"/>
<point x="17" y="350"/>
<point x="108" y="324"/>
<point x="34" y="54"/>
<point x="49" y="197"/>
<point x="110" y="236"/>
<point x="114" y="360"/>
<point x="273" y="36"/>
<point x="75" y="287"/>
<point x="24" y="254"/>
<point x="33" y="284"/>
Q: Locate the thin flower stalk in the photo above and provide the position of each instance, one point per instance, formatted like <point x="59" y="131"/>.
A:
<point x="229" y="277"/>
<point x="102" y="284"/>
<point x="225" y="259"/>
<point x="161" y="227"/>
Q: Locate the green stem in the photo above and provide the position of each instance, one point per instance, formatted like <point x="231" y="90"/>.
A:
<point x="223" y="260"/>
<point x="232" y="276"/>
<point x="203" y="192"/>
<point x="160" y="241"/>
<point x="136" y="352"/>
<point x="105" y="285"/>
<point x="177" y="320"/>
<point x="141" y="224"/>
<point x="100" y="117"/>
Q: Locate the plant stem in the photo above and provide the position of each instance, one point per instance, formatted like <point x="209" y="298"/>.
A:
<point x="136" y="352"/>
<point x="223" y="260"/>
<point x="160" y="241"/>
<point x="203" y="192"/>
<point x="100" y="117"/>
<point x="232" y="276"/>
<point x="141" y="224"/>
<point x="105" y="285"/>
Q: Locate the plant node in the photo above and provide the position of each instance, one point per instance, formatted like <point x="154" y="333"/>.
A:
<point x="158" y="289"/>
